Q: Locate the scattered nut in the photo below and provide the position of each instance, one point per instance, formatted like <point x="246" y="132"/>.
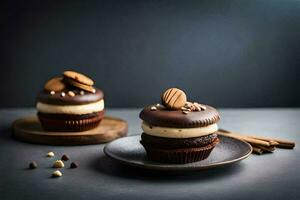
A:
<point x="56" y="173"/>
<point x="197" y="108"/>
<point x="185" y="109"/>
<point x="62" y="94"/>
<point x="50" y="154"/>
<point x="153" y="108"/>
<point x="71" y="93"/>
<point x="58" y="164"/>
<point x="65" y="157"/>
<point x="188" y="104"/>
<point x="73" y="165"/>
<point x="32" y="165"/>
<point x="52" y="92"/>
<point x="193" y="107"/>
<point x="202" y="107"/>
<point x="81" y="92"/>
<point x="185" y="112"/>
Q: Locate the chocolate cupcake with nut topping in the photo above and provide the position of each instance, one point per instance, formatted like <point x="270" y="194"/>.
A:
<point x="178" y="131"/>
<point x="70" y="103"/>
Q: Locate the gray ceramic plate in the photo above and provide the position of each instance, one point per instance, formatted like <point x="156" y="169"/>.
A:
<point x="128" y="150"/>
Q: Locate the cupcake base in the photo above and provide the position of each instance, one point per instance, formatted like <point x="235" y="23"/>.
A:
<point x="70" y="123"/>
<point x="182" y="155"/>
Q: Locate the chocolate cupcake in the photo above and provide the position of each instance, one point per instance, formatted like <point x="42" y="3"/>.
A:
<point x="70" y="103"/>
<point x="178" y="131"/>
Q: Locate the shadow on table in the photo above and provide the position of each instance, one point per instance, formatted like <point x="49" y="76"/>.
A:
<point x="6" y="133"/>
<point x="110" y="167"/>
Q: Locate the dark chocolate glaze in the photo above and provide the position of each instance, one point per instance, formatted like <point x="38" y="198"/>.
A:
<point x="57" y="99"/>
<point x="176" y="143"/>
<point x="175" y="118"/>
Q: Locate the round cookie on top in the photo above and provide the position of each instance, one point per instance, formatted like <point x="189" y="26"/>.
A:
<point x="70" y="103"/>
<point x="178" y="131"/>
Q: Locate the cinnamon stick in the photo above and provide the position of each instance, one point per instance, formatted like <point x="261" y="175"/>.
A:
<point x="286" y="145"/>
<point x="273" y="141"/>
<point x="281" y="143"/>
<point x="247" y="139"/>
<point x="257" y="150"/>
<point x="269" y="149"/>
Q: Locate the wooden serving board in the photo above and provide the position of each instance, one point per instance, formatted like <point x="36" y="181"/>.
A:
<point x="29" y="129"/>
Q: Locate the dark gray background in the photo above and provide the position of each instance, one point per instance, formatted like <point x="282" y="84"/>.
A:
<point x="225" y="53"/>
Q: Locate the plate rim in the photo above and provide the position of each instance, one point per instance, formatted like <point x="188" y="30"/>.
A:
<point x="177" y="167"/>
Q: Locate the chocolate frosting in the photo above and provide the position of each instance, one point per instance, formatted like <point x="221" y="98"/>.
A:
<point x="173" y="143"/>
<point x="175" y="118"/>
<point x="57" y="99"/>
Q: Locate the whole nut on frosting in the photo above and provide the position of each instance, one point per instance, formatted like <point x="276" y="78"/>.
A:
<point x="58" y="164"/>
<point x="153" y="108"/>
<point x="185" y="112"/>
<point x="71" y="93"/>
<point x="173" y="98"/>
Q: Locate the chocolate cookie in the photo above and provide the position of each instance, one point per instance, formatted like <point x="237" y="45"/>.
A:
<point x="176" y="118"/>
<point x="55" y="84"/>
<point x="79" y="85"/>
<point x="70" y="123"/>
<point x="177" y="143"/>
<point x="178" y="131"/>
<point x="64" y="106"/>
<point x="181" y="155"/>
<point x="78" y="77"/>
<point x="79" y="81"/>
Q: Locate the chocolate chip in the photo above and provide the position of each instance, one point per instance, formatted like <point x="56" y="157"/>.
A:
<point x="65" y="157"/>
<point x="32" y="165"/>
<point x="73" y="165"/>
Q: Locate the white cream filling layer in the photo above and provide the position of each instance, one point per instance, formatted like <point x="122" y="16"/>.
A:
<point x="178" y="132"/>
<point x="70" y="109"/>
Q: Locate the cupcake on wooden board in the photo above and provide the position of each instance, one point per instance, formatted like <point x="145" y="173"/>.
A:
<point x="70" y="103"/>
<point x="178" y="131"/>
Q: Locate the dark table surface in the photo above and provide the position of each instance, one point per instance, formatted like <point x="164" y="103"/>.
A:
<point x="269" y="176"/>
